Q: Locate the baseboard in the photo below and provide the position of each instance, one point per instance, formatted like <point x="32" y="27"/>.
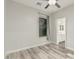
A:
<point x="40" y="44"/>
<point x="65" y="47"/>
<point x="70" y="49"/>
<point x="52" y="42"/>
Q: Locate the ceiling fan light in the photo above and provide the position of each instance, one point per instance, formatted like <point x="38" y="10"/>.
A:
<point x="52" y="2"/>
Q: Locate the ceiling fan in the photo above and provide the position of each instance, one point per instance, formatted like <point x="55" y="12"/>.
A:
<point x="52" y="2"/>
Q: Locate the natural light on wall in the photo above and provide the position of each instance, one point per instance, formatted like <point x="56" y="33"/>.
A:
<point x="52" y="2"/>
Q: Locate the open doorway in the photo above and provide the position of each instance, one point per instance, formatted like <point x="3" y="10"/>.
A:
<point x="61" y="31"/>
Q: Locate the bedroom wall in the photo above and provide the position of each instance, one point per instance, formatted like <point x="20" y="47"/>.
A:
<point x="21" y="27"/>
<point x="68" y="13"/>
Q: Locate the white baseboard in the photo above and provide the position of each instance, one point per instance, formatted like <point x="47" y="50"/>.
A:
<point x="26" y="48"/>
<point x="70" y="48"/>
<point x="65" y="46"/>
<point x="47" y="42"/>
<point x="52" y="42"/>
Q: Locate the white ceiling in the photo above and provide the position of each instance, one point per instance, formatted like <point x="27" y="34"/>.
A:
<point x="51" y="9"/>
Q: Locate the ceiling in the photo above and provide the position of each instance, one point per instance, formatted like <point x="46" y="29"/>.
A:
<point x="51" y="9"/>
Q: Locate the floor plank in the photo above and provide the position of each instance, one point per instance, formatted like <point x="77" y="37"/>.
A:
<point x="47" y="51"/>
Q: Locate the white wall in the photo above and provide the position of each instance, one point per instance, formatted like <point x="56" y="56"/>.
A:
<point x="67" y="12"/>
<point x="21" y="27"/>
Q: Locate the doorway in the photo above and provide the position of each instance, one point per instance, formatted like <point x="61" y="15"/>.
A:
<point x="61" y="31"/>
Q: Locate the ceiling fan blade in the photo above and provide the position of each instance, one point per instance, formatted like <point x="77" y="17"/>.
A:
<point x="57" y="0"/>
<point x="57" y="5"/>
<point x="47" y="6"/>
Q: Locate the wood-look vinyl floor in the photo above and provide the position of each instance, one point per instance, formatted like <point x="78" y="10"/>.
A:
<point x="47" y="51"/>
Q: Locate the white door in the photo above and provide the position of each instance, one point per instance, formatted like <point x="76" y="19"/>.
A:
<point x="61" y="29"/>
